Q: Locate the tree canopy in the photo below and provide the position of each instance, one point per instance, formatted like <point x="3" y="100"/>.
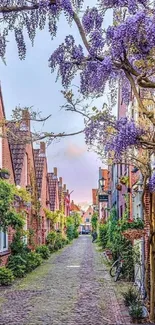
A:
<point x="124" y="51"/>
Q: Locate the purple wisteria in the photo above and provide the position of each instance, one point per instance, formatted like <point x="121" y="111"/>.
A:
<point x="115" y="136"/>
<point x="132" y="5"/>
<point x="125" y="50"/>
<point x="152" y="183"/>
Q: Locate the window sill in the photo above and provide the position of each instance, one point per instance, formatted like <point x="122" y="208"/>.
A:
<point x="7" y="252"/>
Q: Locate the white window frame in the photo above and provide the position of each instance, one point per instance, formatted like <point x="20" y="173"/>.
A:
<point x="2" y="248"/>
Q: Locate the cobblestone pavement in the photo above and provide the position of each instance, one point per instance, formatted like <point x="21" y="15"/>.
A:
<point x="72" y="288"/>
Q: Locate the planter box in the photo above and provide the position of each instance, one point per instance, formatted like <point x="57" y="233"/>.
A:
<point x="132" y="234"/>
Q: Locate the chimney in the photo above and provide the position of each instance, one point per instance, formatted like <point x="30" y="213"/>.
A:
<point x="60" y="180"/>
<point x="64" y="187"/>
<point x="67" y="192"/>
<point x="55" y="171"/>
<point x="26" y="119"/>
<point x="42" y="148"/>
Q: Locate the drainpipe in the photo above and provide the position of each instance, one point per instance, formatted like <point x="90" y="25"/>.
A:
<point x="143" y="251"/>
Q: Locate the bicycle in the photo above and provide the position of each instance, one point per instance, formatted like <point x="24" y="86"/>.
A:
<point x="139" y="283"/>
<point x="116" y="269"/>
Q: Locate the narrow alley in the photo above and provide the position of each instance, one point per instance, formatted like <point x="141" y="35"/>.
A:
<point x="72" y="287"/>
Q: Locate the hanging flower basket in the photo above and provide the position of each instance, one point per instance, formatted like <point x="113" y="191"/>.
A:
<point x="118" y="187"/>
<point x="132" y="234"/>
<point x="124" y="180"/>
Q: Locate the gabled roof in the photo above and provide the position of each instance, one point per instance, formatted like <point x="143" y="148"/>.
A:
<point x="74" y="207"/>
<point x="18" y="148"/>
<point x="39" y="167"/>
<point x="52" y="183"/>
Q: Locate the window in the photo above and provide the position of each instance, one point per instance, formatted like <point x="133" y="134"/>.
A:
<point x="87" y="219"/>
<point x="90" y="213"/>
<point x="3" y="241"/>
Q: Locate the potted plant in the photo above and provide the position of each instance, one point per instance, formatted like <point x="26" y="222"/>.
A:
<point x="119" y="187"/>
<point x="4" y="173"/>
<point x="124" y="180"/>
<point x="133" y="229"/>
<point x="136" y="312"/>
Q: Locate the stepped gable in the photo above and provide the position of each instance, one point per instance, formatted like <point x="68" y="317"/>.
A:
<point x="52" y="183"/>
<point x="39" y="167"/>
<point x="17" y="143"/>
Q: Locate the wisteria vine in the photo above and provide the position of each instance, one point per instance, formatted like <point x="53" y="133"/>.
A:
<point x="114" y="136"/>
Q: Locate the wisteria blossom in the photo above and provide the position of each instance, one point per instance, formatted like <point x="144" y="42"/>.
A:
<point x="125" y="50"/>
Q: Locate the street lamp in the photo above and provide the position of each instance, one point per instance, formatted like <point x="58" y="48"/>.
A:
<point x="102" y="183"/>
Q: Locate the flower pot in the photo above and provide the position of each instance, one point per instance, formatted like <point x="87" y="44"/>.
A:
<point x="133" y="234"/>
<point x="122" y="182"/>
<point x="119" y="187"/>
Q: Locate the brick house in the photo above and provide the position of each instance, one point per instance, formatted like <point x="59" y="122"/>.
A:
<point x="24" y="170"/>
<point x="5" y="162"/>
<point x="103" y="212"/>
<point x="86" y="220"/>
<point x="43" y="190"/>
<point x="53" y="184"/>
<point x="66" y="201"/>
<point x="95" y="199"/>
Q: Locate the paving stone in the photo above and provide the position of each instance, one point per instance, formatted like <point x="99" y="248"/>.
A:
<point x="72" y="288"/>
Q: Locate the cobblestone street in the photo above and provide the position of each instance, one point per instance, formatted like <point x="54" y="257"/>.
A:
<point x="72" y="287"/>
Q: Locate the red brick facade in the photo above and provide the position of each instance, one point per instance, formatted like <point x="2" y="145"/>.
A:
<point x="28" y="169"/>
<point x="5" y="162"/>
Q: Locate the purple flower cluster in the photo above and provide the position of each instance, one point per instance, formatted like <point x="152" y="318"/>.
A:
<point x="152" y="183"/>
<point x="67" y="57"/>
<point x="132" y="5"/>
<point x="95" y="76"/>
<point x="124" y="134"/>
<point x="128" y="135"/>
<point x="96" y="42"/>
<point x="91" y="20"/>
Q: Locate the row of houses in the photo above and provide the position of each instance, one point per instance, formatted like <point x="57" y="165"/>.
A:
<point x="120" y="187"/>
<point x="28" y="169"/>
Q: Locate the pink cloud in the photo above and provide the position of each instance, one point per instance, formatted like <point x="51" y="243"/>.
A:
<point x="75" y="151"/>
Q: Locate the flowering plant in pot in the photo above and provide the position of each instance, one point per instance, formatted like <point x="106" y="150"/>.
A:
<point x="119" y="187"/>
<point x="4" y="173"/>
<point x="132" y="229"/>
<point x="124" y="180"/>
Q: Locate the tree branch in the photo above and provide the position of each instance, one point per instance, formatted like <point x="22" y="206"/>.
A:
<point x="54" y="136"/>
<point x="9" y="9"/>
<point x="81" y="31"/>
<point x="143" y="109"/>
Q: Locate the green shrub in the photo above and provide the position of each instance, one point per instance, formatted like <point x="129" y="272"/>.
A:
<point x="17" y="264"/>
<point x="76" y="233"/>
<point x="70" y="231"/>
<point x="136" y="311"/>
<point x="58" y="242"/>
<point x="103" y="235"/>
<point x="51" y="237"/>
<point x="43" y="250"/>
<point x="33" y="260"/>
<point x="130" y="297"/>
<point x="6" y="276"/>
<point x="18" y="246"/>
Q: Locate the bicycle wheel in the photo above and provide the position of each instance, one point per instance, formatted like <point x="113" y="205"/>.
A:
<point x="113" y="269"/>
<point x="117" y="274"/>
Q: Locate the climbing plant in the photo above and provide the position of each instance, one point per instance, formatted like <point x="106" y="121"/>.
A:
<point x="8" y="214"/>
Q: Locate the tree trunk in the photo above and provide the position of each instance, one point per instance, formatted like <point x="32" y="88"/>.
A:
<point x="152" y="261"/>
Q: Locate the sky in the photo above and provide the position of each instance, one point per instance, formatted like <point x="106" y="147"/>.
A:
<point x="31" y="83"/>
